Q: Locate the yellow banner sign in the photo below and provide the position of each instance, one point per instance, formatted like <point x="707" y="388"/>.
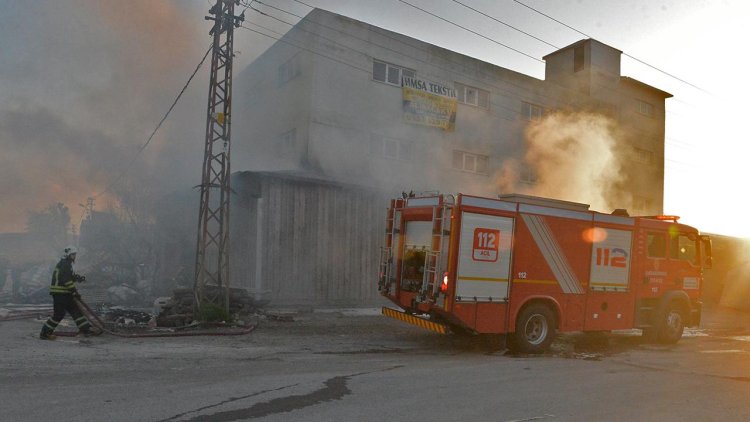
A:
<point x="428" y="103"/>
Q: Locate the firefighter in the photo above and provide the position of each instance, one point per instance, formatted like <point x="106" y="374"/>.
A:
<point x="64" y="293"/>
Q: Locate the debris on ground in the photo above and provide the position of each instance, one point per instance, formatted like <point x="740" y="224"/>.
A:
<point x="123" y="316"/>
<point x="179" y="310"/>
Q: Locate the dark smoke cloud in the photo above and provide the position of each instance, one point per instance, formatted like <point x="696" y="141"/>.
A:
<point x="83" y="84"/>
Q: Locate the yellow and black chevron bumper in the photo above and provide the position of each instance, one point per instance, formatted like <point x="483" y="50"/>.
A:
<point x="419" y="322"/>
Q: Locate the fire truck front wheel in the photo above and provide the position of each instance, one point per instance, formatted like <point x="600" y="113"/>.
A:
<point x="535" y="329"/>
<point x="671" y="323"/>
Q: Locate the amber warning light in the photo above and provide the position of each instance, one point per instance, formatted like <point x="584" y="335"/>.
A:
<point x="672" y="218"/>
<point x="444" y="286"/>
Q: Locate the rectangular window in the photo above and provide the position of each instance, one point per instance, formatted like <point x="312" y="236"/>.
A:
<point x="289" y="70"/>
<point x="379" y="70"/>
<point x="472" y="96"/>
<point x="646" y="109"/>
<point x="394" y="149"/>
<point x="528" y="175"/>
<point x="388" y="73"/>
<point x="657" y="245"/>
<point x="578" y="61"/>
<point x="474" y="163"/>
<point x="531" y="112"/>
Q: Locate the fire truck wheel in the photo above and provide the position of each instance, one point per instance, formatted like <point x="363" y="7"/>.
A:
<point x="535" y="329"/>
<point x="671" y="323"/>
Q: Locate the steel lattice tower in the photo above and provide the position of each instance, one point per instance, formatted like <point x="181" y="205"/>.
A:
<point x="212" y="252"/>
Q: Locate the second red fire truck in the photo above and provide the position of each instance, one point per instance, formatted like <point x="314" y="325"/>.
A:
<point x="528" y="267"/>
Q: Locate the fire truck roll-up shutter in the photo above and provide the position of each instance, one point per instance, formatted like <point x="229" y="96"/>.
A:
<point x="484" y="258"/>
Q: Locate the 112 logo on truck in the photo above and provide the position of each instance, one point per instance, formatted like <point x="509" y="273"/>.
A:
<point x="486" y="243"/>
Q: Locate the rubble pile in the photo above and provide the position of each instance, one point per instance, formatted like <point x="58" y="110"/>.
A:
<point x="122" y="316"/>
<point x="179" y="310"/>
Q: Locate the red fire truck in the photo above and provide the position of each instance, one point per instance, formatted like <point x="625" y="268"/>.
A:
<point x="527" y="267"/>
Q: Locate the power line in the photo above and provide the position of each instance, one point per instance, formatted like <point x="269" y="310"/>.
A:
<point x="506" y="24"/>
<point x="548" y="43"/>
<point x="472" y="31"/>
<point x="143" y="147"/>
<point x="264" y="28"/>
<point x="303" y="48"/>
<point x="625" y="54"/>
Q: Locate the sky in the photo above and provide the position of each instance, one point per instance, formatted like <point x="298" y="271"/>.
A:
<point x="83" y="83"/>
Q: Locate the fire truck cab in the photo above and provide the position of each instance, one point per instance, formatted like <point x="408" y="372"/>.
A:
<point x="528" y="267"/>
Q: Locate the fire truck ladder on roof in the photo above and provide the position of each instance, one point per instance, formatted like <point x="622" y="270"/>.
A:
<point x="435" y="259"/>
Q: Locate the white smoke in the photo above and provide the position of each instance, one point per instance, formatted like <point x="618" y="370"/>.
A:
<point x="573" y="157"/>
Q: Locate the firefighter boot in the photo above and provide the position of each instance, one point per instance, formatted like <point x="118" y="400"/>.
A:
<point x="46" y="334"/>
<point x="89" y="331"/>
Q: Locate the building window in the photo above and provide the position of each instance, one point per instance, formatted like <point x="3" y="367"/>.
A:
<point x="531" y="111"/>
<point x="528" y="175"/>
<point x="287" y="142"/>
<point x="289" y="70"/>
<point x="472" y="96"/>
<point x="389" y="74"/>
<point x="644" y="156"/>
<point x="578" y="61"/>
<point x="395" y="149"/>
<point x="646" y="109"/>
<point x="473" y="163"/>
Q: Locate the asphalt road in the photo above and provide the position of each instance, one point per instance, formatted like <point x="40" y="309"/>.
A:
<point x="355" y="366"/>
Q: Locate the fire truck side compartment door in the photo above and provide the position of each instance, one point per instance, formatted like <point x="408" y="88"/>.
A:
<point x="484" y="258"/>
<point x="610" y="261"/>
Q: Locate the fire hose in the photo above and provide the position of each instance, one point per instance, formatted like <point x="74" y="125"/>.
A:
<point x="99" y="325"/>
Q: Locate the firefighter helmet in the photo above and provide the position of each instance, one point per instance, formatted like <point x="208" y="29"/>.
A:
<point x="70" y="250"/>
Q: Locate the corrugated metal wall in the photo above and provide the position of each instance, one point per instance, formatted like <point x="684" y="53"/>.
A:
<point x="317" y="243"/>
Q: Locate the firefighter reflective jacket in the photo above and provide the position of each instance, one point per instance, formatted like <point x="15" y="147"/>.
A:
<point x="63" y="278"/>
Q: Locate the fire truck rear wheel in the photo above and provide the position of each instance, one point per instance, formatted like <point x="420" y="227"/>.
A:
<point x="535" y="329"/>
<point x="671" y="324"/>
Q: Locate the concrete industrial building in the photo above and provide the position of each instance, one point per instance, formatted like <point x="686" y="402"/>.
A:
<point x="326" y="102"/>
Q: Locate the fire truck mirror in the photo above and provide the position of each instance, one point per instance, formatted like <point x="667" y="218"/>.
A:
<point x="708" y="259"/>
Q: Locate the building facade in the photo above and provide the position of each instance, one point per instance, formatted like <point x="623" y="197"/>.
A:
<point x="328" y="101"/>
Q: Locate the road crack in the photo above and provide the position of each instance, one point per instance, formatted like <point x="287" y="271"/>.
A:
<point x="333" y="389"/>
